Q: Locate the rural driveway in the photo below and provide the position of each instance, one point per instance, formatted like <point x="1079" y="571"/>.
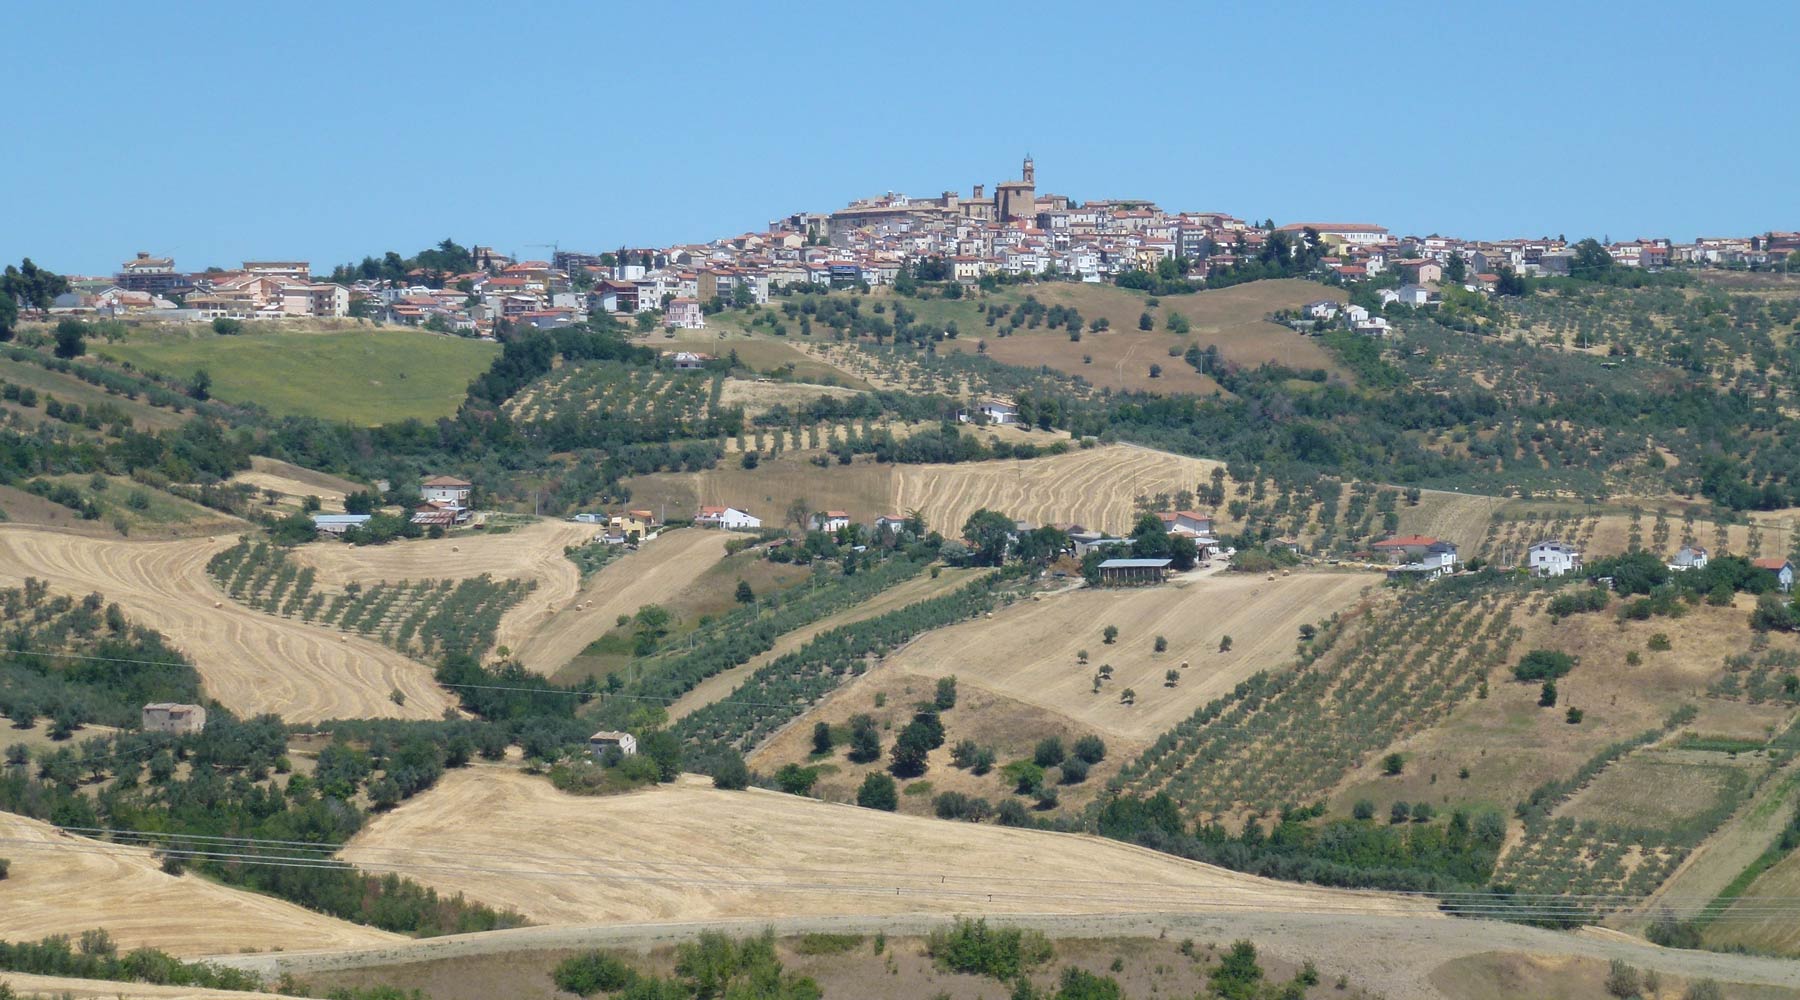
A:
<point x="556" y="633"/>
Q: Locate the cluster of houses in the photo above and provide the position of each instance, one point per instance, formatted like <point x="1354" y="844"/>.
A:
<point x="150" y="286"/>
<point x="444" y="502"/>
<point x="1424" y="557"/>
<point x="630" y="527"/>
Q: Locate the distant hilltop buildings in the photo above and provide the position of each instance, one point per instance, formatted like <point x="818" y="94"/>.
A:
<point x="1013" y="234"/>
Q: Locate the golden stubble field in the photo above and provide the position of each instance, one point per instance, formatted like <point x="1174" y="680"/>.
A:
<point x="1094" y="487"/>
<point x="61" y="884"/>
<point x="250" y="661"/>
<point x="691" y="852"/>
<point x="1030" y="651"/>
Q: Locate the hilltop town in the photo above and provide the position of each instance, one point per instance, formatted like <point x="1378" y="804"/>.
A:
<point x="1012" y="235"/>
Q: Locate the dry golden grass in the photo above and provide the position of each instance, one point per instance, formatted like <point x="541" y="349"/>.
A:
<point x="1029" y="651"/>
<point x="250" y="661"/>
<point x="1231" y="319"/>
<point x="758" y="398"/>
<point x="1510" y="745"/>
<point x="652" y="575"/>
<point x="690" y="852"/>
<point x="760" y="351"/>
<point x="295" y="483"/>
<point x="61" y="884"/>
<point x="1012" y="728"/>
<point x="1456" y="517"/>
<point x="1117" y="359"/>
<point x="1659" y="788"/>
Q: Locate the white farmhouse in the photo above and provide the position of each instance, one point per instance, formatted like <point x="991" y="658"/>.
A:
<point x="729" y="518"/>
<point x="1553" y="558"/>
<point x="830" y="520"/>
<point x="446" y="490"/>
<point x="1690" y="557"/>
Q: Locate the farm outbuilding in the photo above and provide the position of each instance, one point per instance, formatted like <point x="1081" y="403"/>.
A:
<point x="173" y="717"/>
<point x="337" y="524"/>
<point x="1134" y="571"/>
<point x="606" y="739"/>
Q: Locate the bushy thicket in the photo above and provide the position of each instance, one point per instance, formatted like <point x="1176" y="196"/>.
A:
<point x="94" y="956"/>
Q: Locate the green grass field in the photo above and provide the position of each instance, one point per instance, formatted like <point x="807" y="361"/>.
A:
<point x="374" y="377"/>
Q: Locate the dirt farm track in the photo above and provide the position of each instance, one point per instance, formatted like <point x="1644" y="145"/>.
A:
<point x="249" y="661"/>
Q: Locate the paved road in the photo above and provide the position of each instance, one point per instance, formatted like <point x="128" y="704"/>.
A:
<point x="1392" y="955"/>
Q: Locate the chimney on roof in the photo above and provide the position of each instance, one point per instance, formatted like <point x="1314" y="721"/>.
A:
<point x="143" y="255"/>
<point x="978" y="189"/>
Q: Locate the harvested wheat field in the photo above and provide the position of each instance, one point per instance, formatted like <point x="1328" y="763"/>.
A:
<point x="294" y="482"/>
<point x="249" y="661"/>
<point x="691" y="852"/>
<point x="1093" y="487"/>
<point x="61" y="884"/>
<point x="547" y="639"/>
<point x="532" y="552"/>
<point x="1761" y="919"/>
<point x="912" y="591"/>
<point x="1030" y="651"/>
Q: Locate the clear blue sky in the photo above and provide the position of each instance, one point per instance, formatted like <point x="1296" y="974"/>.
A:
<point x="217" y="132"/>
